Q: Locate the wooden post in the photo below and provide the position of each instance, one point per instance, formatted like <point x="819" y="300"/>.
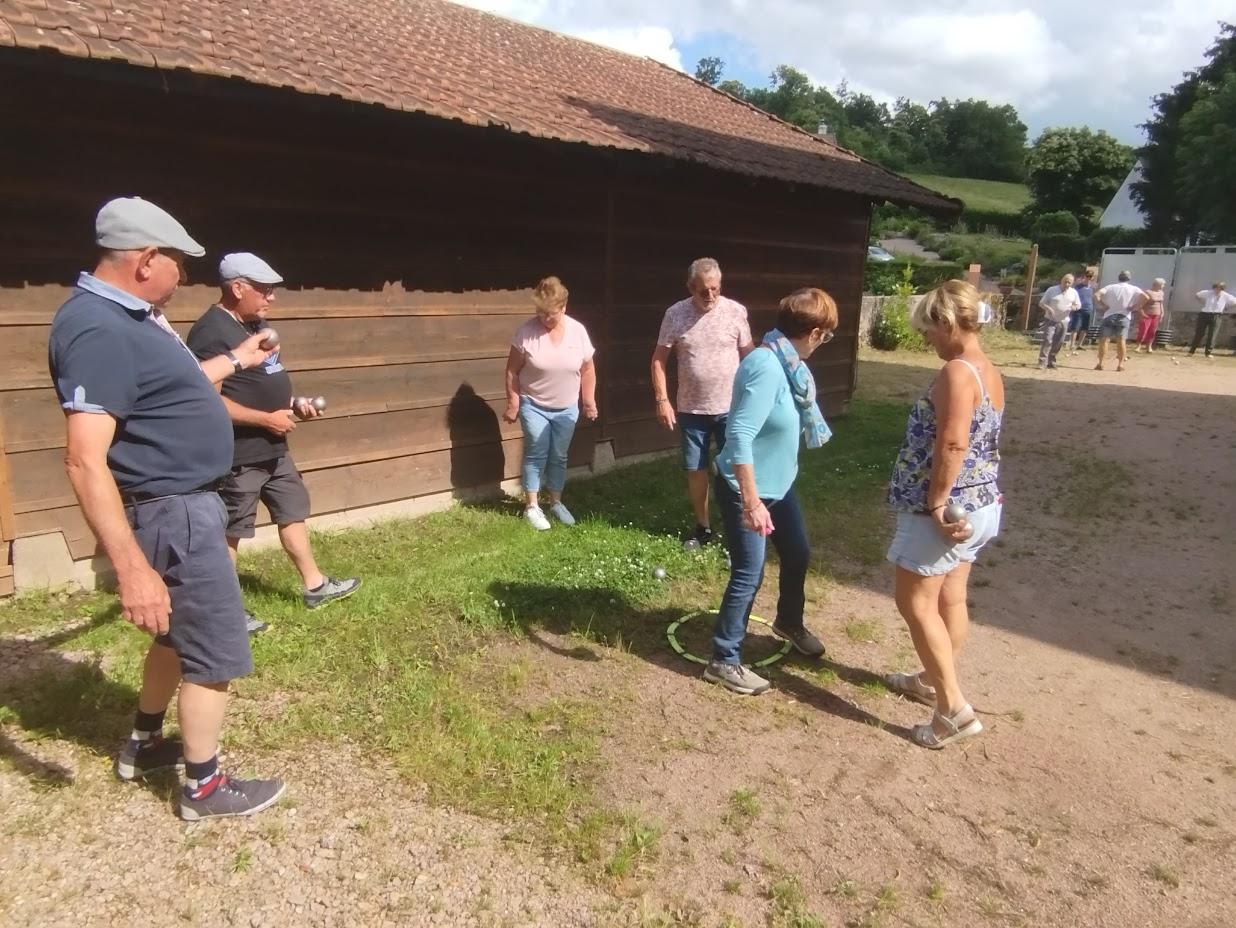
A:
<point x="8" y="528"/>
<point x="973" y="275"/>
<point x="1031" y="266"/>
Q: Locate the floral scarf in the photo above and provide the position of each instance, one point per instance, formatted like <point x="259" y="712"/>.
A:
<point x="802" y="387"/>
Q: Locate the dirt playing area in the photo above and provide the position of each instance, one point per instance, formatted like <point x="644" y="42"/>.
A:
<point x="1102" y="661"/>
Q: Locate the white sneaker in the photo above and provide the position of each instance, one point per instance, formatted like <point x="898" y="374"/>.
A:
<point x="561" y="513"/>
<point x="536" y="518"/>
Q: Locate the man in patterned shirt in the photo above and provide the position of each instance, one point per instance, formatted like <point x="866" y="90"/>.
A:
<point x="709" y="335"/>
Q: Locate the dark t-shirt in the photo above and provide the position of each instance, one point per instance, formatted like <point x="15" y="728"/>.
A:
<point x="266" y="388"/>
<point x="173" y="434"/>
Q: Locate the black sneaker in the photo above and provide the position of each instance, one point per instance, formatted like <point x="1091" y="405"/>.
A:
<point x="253" y="624"/>
<point x="331" y="590"/>
<point x="153" y="756"/>
<point x="231" y="797"/>
<point x="803" y="641"/>
<point x="699" y="538"/>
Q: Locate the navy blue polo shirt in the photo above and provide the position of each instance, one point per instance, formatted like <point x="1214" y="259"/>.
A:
<point x="107" y="354"/>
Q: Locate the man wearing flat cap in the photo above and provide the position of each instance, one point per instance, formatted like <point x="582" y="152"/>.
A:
<point x="259" y="402"/>
<point x="148" y="442"/>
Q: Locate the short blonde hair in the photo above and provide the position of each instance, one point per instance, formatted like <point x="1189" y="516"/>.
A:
<point x="550" y="293"/>
<point x="952" y="305"/>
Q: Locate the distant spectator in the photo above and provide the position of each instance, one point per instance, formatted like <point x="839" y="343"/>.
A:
<point x="1059" y="302"/>
<point x="1119" y="301"/>
<point x="1079" y="322"/>
<point x="548" y="372"/>
<point x="1215" y="303"/>
<point x="1151" y="314"/>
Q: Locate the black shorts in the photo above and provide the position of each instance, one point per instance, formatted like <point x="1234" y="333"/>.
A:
<point x="182" y="538"/>
<point x="276" y="483"/>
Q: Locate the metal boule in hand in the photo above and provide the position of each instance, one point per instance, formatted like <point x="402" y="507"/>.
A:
<point x="955" y="512"/>
<point x="319" y="403"/>
<point x="270" y="340"/>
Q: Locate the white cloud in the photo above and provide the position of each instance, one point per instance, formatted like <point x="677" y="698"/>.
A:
<point x="655" y="42"/>
<point x="1074" y="62"/>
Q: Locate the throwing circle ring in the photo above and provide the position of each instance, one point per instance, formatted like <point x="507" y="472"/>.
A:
<point x="672" y="634"/>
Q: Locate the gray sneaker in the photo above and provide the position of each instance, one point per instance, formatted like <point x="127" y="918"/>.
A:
<point x="155" y="756"/>
<point x="736" y="678"/>
<point x="803" y="641"/>
<point x="232" y="797"/>
<point x="331" y="590"/>
<point x="253" y="625"/>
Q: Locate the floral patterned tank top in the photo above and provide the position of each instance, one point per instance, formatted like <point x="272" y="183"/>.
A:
<point x="976" y="484"/>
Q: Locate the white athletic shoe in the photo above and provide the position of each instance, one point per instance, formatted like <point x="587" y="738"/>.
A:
<point x="536" y="518"/>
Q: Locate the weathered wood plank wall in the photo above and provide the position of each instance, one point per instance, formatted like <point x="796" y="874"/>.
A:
<point x="409" y="246"/>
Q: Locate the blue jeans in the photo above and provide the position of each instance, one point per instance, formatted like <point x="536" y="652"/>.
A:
<point x="747" y="549"/>
<point x="698" y="431"/>
<point x="547" y="436"/>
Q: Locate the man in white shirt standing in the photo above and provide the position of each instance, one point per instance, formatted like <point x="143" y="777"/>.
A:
<point x="1215" y="303"/>
<point x="1059" y="302"/>
<point x="1119" y="301"/>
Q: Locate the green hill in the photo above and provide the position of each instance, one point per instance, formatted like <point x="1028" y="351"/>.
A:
<point x="988" y="196"/>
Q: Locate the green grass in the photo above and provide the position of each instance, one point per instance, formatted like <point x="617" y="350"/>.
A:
<point x="743" y="808"/>
<point x="420" y="668"/>
<point x="987" y="195"/>
<point x="789" y="906"/>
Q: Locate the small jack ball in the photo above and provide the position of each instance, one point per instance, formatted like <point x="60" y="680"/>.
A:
<point x="319" y="403"/>
<point x="270" y="339"/>
<point x="954" y="512"/>
<point x="658" y="573"/>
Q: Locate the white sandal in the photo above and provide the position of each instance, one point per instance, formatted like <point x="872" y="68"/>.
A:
<point x="911" y="686"/>
<point x="964" y="724"/>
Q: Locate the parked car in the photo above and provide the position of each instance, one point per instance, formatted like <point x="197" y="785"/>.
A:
<point x="876" y="253"/>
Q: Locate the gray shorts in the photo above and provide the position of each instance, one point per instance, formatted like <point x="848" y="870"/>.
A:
<point x="182" y="538"/>
<point x="276" y="483"/>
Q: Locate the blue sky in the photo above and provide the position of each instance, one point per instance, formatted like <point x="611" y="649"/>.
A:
<point x="1060" y="62"/>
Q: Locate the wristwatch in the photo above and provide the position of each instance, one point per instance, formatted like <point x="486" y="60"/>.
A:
<point x="237" y="367"/>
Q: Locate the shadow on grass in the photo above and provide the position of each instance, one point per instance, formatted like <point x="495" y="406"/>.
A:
<point x="611" y="619"/>
<point x="50" y="694"/>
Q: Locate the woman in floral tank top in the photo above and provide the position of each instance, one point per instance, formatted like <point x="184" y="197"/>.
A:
<point x="950" y="455"/>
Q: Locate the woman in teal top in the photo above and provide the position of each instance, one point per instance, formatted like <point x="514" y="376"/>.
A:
<point x="773" y="404"/>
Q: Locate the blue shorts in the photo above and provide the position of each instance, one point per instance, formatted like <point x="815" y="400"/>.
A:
<point x="1080" y="321"/>
<point x="919" y="547"/>
<point x="183" y="539"/>
<point x="698" y="432"/>
<point x="1114" y="327"/>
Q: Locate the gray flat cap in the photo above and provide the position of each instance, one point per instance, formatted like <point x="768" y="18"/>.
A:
<point x="242" y="264"/>
<point x="131" y="223"/>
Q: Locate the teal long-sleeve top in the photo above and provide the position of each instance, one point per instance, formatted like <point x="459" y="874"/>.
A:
<point x="763" y="428"/>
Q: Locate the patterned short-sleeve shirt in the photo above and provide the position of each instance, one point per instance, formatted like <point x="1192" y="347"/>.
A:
<point x="706" y="344"/>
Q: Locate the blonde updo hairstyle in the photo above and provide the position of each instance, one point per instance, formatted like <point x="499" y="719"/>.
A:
<point x="550" y="294"/>
<point x="951" y="306"/>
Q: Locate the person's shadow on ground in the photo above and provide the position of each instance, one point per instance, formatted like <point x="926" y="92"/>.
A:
<point x="610" y="619"/>
<point x="52" y="695"/>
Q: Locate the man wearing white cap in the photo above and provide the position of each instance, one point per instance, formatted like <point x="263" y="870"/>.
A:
<point x="259" y="403"/>
<point x="148" y="441"/>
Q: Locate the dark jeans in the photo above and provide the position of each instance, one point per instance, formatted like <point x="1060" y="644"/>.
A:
<point x="1207" y="325"/>
<point x="747" y="549"/>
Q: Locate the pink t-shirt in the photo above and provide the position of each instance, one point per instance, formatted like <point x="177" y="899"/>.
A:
<point x="706" y="344"/>
<point x="550" y="375"/>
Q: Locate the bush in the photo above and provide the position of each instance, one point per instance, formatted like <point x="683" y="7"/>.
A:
<point x="1060" y="223"/>
<point x="881" y="277"/>
<point x="933" y="273"/>
<point x="994" y="222"/>
<point x="893" y="331"/>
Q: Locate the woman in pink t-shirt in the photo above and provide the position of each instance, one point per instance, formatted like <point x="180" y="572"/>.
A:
<point x="548" y="371"/>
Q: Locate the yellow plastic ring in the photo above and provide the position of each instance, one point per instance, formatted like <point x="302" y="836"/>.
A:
<point x="672" y="634"/>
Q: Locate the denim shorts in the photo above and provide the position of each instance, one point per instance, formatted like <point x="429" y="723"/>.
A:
<point x="698" y="432"/>
<point x="919" y="547"/>
<point x="1080" y="321"/>
<point x="1114" y="327"/>
<point x="182" y="538"/>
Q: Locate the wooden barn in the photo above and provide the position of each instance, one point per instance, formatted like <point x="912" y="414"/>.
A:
<point x="412" y="168"/>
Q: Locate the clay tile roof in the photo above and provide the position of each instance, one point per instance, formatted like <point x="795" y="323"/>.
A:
<point x="453" y="62"/>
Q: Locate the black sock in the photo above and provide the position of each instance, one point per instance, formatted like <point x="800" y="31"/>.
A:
<point x="201" y="778"/>
<point x="147" y="728"/>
